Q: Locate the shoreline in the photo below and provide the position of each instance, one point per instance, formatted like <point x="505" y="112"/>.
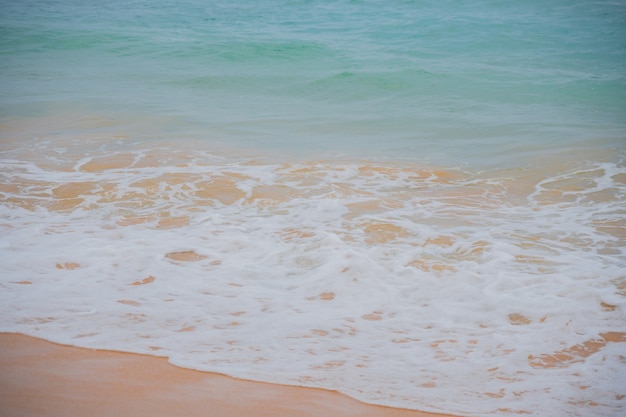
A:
<point x="44" y="378"/>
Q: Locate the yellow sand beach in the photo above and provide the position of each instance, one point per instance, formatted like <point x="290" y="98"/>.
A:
<point x="40" y="378"/>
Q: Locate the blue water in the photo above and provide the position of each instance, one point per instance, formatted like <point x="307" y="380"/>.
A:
<point x="443" y="81"/>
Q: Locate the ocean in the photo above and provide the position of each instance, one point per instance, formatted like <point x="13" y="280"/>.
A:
<point x="420" y="204"/>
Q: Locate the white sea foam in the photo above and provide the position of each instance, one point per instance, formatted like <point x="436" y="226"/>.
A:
<point x="420" y="287"/>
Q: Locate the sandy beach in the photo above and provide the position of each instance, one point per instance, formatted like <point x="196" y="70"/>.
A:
<point x="39" y="378"/>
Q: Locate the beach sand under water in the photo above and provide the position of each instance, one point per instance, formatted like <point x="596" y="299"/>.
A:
<point x="408" y="285"/>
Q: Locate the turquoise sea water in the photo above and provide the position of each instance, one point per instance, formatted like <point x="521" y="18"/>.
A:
<point x="435" y="80"/>
<point x="420" y="204"/>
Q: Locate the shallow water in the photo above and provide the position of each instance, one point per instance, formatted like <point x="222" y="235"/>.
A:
<point x="419" y="204"/>
<point x="415" y="286"/>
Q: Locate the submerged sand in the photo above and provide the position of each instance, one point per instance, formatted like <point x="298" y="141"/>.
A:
<point x="40" y="378"/>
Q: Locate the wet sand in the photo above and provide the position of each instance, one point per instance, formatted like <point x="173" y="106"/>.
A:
<point x="39" y="378"/>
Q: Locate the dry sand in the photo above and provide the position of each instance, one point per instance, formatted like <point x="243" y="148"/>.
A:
<point x="39" y="378"/>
